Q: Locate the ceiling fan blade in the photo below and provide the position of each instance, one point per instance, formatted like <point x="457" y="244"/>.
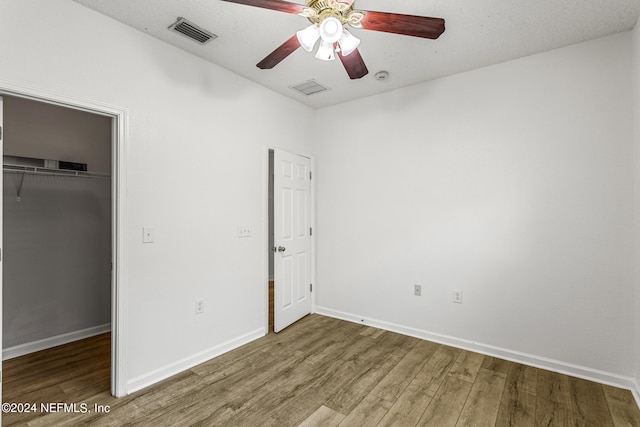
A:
<point x="408" y="25"/>
<point x="354" y="64"/>
<point x="275" y="57"/>
<point x="281" y="6"/>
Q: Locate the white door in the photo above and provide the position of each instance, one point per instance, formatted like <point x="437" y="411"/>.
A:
<point x="292" y="238"/>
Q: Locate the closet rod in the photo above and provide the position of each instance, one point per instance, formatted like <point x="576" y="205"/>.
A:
<point x="36" y="170"/>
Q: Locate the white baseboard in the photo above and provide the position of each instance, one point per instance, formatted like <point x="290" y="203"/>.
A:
<point x="635" y="390"/>
<point x="43" y="344"/>
<point x="501" y="353"/>
<point x="163" y="373"/>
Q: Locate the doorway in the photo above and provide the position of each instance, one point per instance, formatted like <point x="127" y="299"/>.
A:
<point x="290" y="233"/>
<point x="110" y="201"/>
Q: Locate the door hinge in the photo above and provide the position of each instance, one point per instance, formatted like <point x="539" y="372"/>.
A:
<point x="310" y="287"/>
<point x="0" y="133"/>
<point x="310" y="175"/>
<point x="310" y="231"/>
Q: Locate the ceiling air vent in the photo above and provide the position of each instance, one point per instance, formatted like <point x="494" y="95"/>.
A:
<point x="191" y="30"/>
<point x="309" y="87"/>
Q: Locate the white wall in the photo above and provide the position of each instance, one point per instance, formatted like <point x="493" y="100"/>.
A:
<point x="512" y="183"/>
<point x="195" y="169"/>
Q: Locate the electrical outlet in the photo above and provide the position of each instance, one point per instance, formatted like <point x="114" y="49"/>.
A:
<point x="457" y="296"/>
<point x="244" y="231"/>
<point x="417" y="290"/>
<point x="199" y="306"/>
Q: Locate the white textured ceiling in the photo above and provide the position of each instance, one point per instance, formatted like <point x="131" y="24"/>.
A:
<point x="478" y="33"/>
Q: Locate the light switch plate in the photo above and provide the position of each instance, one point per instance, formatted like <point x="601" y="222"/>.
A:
<point x="244" y="231"/>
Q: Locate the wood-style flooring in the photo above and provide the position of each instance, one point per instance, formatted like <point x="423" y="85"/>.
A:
<point x="318" y="372"/>
<point x="271" y="314"/>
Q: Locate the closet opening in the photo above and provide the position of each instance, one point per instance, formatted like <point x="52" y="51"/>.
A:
<point x="58" y="245"/>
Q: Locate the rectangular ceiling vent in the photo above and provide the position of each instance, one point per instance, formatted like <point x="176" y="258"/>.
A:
<point x="309" y="87"/>
<point x="191" y="30"/>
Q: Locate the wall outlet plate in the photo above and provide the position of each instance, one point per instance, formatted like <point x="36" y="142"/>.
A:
<point x="457" y="296"/>
<point x="417" y="290"/>
<point x="199" y="306"/>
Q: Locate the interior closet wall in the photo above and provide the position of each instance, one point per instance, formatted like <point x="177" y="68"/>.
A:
<point x="57" y="237"/>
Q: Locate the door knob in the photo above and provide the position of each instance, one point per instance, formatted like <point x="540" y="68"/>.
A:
<point x="281" y="249"/>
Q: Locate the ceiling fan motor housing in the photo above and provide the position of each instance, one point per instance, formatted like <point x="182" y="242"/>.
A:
<point x="319" y="10"/>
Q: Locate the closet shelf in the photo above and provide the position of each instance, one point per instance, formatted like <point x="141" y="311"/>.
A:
<point x="37" y="170"/>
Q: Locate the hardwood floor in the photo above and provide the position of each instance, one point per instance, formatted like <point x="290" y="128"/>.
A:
<point x="68" y="373"/>
<point x="271" y="314"/>
<point x="318" y="372"/>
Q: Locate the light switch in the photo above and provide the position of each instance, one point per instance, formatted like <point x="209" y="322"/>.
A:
<point x="244" y="231"/>
<point x="148" y="234"/>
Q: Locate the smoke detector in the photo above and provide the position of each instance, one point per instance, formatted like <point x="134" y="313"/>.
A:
<point x="382" y="75"/>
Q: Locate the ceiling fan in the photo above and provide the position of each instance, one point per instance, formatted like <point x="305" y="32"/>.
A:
<point x="328" y="19"/>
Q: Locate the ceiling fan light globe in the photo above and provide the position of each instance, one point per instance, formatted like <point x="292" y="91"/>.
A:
<point x="331" y="29"/>
<point x="325" y="51"/>
<point x="308" y="37"/>
<point x="348" y="43"/>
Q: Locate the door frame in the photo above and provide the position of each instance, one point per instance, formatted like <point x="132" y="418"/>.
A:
<point x="119" y="136"/>
<point x="1" y="241"/>
<point x="267" y="218"/>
